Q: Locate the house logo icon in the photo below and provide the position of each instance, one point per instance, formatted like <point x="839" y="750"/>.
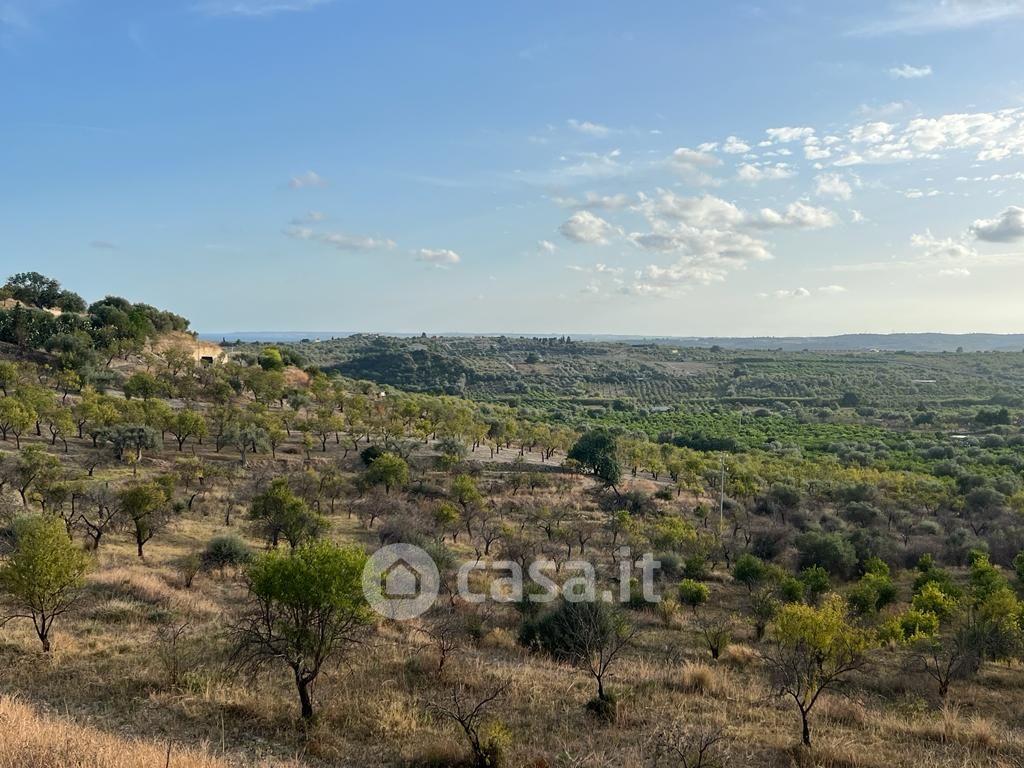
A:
<point x="401" y="581"/>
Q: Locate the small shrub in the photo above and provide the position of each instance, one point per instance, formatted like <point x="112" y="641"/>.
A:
<point x="227" y="551"/>
<point x="667" y="610"/>
<point x="816" y="580"/>
<point x="188" y="568"/>
<point x="693" y="594"/>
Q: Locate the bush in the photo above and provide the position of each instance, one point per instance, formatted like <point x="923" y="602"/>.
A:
<point x="816" y="579"/>
<point x="495" y="740"/>
<point x="749" y="571"/>
<point x="792" y="589"/>
<point x="933" y="599"/>
<point x="830" y="551"/>
<point x="226" y="551"/>
<point x="693" y="593"/>
<point x="370" y="455"/>
<point x="188" y="568"/>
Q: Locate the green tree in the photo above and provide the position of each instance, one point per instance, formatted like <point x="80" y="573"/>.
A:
<point x="811" y="650"/>
<point x="33" y="466"/>
<point x="141" y="385"/>
<point x="388" y="470"/>
<point x="465" y="492"/>
<point x="597" y="453"/>
<point x="588" y="635"/>
<point x="270" y="359"/>
<point x="145" y="508"/>
<point x="16" y="417"/>
<point x="43" y="575"/>
<point x="34" y="289"/>
<point x="306" y="606"/>
<point x="693" y="593"/>
<point x="187" y="423"/>
<point x="8" y="376"/>
<point x="280" y="513"/>
<point x="749" y="570"/>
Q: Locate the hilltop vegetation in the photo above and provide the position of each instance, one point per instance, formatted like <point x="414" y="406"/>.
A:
<point x="183" y="544"/>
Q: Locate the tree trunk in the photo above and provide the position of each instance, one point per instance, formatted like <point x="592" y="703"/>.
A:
<point x="807" y="730"/>
<point x="304" y="698"/>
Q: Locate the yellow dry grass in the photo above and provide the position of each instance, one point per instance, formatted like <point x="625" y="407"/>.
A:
<point x="32" y="740"/>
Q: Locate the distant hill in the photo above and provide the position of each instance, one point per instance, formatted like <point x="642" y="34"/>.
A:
<point x="850" y="342"/>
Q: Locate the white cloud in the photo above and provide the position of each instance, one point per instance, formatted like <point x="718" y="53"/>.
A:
<point x="257" y="8"/>
<point x="691" y="164"/>
<point x="992" y="136"/>
<point x="1007" y="227"/>
<point x="923" y="16"/>
<point x="871" y="133"/>
<point x="735" y="146"/>
<point x="947" y="250"/>
<point x="753" y="174"/>
<point x="794" y="293"/>
<point x="340" y="240"/>
<point x="585" y="227"/>
<point x="438" y="257"/>
<point x="307" y="179"/>
<point x="878" y="111"/>
<point x="590" y="129"/>
<point x="787" y="134"/>
<point x="833" y="185"/>
<point x="705" y="212"/>
<point x="708" y="237"/>
<point x="546" y="246"/>
<point x="815" y="152"/>
<point x="832" y="290"/>
<point x="797" y="215"/>
<point x="593" y="201"/>
<point x="909" y="72"/>
<point x="954" y="272"/>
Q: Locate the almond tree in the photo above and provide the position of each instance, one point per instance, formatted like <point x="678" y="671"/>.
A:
<point x="812" y="650"/>
<point x="43" y="576"/>
<point x="305" y="607"/>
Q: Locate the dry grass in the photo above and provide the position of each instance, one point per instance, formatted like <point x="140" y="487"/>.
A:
<point x="700" y="679"/>
<point x="31" y="740"/>
<point x="105" y="680"/>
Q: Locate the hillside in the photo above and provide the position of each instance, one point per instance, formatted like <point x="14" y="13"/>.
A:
<point x="192" y="538"/>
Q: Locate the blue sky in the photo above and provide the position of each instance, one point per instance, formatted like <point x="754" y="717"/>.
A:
<point x="695" y="168"/>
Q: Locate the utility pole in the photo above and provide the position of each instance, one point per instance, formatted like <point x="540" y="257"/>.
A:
<point x="721" y="495"/>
